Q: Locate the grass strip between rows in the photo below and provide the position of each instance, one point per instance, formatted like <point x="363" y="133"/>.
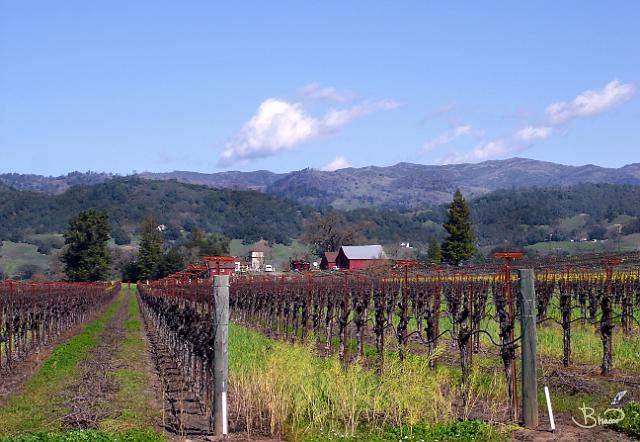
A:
<point x="40" y="404"/>
<point x="132" y="402"/>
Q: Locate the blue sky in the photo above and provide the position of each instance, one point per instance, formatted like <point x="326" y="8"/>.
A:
<point x="162" y="85"/>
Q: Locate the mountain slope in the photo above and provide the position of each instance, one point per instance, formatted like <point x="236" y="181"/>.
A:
<point x="52" y="185"/>
<point x="238" y="214"/>
<point x="258" y="180"/>
<point x="405" y="185"/>
<point x="411" y="186"/>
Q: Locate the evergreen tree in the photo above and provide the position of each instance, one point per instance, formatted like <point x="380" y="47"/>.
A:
<point x="459" y="245"/>
<point x="207" y="244"/>
<point x="87" y="256"/>
<point x="171" y="262"/>
<point x="150" y="252"/>
<point x="434" y="253"/>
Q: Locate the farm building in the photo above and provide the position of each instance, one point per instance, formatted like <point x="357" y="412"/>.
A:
<point x="299" y="265"/>
<point x="221" y="265"/>
<point x="328" y="261"/>
<point x="225" y="268"/>
<point x="360" y="257"/>
<point x="257" y="260"/>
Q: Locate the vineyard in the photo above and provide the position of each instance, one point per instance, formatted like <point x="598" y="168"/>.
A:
<point x="396" y="346"/>
<point x="33" y="315"/>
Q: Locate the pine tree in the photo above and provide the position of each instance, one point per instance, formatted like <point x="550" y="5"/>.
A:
<point x="434" y="253"/>
<point x="87" y="256"/>
<point x="150" y="252"/>
<point x="459" y="246"/>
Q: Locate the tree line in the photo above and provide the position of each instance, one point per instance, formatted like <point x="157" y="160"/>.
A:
<point x="87" y="256"/>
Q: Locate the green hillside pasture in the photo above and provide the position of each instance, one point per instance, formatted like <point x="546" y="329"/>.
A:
<point x="624" y="243"/>
<point x="13" y="255"/>
<point x="569" y="226"/>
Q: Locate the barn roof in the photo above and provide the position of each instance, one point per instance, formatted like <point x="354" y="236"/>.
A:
<point x="374" y="251"/>
<point x="331" y="256"/>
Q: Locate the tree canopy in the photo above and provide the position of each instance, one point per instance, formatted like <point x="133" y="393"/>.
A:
<point x="459" y="245"/>
<point x="86" y="256"/>
<point x="328" y="232"/>
<point x="150" y="252"/>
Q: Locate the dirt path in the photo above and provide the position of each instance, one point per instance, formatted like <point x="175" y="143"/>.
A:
<point x="96" y="385"/>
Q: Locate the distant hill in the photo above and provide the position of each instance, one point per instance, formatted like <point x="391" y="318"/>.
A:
<point x="412" y="186"/>
<point x="249" y="215"/>
<point x="52" y="185"/>
<point x="258" y="180"/>
<point x="406" y="186"/>
<point x="514" y="217"/>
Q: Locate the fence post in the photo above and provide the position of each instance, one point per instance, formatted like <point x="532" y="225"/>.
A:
<point x="221" y="353"/>
<point x="529" y="340"/>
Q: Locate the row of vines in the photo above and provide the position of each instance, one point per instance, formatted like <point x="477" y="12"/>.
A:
<point x="179" y="314"/>
<point x="33" y="315"/>
<point x="346" y="312"/>
<point x="418" y="310"/>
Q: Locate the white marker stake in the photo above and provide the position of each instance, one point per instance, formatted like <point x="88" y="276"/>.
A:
<point x="224" y="413"/>
<point x="549" y="409"/>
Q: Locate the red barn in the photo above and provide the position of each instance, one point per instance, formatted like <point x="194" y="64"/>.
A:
<point x="299" y="265"/>
<point x="328" y="261"/>
<point x="220" y="265"/>
<point x="360" y="257"/>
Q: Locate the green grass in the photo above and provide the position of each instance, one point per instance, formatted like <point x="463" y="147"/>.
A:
<point x="569" y="226"/>
<point x="132" y="402"/>
<point x="33" y="415"/>
<point x="472" y="430"/>
<point x="631" y="423"/>
<point x="280" y="253"/>
<point x="573" y="248"/>
<point x="40" y="403"/>
<point x="88" y="436"/>
<point x="13" y="255"/>
<point x="303" y="394"/>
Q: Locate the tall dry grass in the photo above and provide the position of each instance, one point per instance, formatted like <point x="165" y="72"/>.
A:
<point x="282" y="388"/>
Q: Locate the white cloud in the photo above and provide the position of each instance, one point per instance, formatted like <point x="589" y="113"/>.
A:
<point x="590" y="102"/>
<point x="482" y="152"/>
<point x="587" y="104"/>
<point x="448" y="137"/>
<point x="315" y="91"/>
<point x="336" y="118"/>
<point x="531" y="133"/>
<point x="279" y="126"/>
<point x="339" y="162"/>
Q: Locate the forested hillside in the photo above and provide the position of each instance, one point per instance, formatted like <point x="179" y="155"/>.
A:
<point x="238" y="214"/>
<point x="527" y="216"/>
<point x="403" y="186"/>
<point x="515" y="217"/>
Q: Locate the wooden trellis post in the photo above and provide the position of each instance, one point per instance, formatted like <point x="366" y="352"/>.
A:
<point x="221" y="353"/>
<point x="528" y="353"/>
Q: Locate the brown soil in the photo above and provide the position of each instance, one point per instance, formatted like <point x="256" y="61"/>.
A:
<point x="95" y="387"/>
<point x="566" y="430"/>
<point x="183" y="416"/>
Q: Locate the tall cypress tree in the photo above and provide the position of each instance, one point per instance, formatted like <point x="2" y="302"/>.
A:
<point x="459" y="245"/>
<point x="87" y="256"/>
<point x="150" y="252"/>
<point x="434" y="252"/>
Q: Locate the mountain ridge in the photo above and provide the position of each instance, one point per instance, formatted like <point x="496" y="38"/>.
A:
<point x="402" y="185"/>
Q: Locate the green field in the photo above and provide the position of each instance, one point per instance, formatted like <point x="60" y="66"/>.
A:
<point x="277" y="254"/>
<point x="624" y="243"/>
<point x="14" y="255"/>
